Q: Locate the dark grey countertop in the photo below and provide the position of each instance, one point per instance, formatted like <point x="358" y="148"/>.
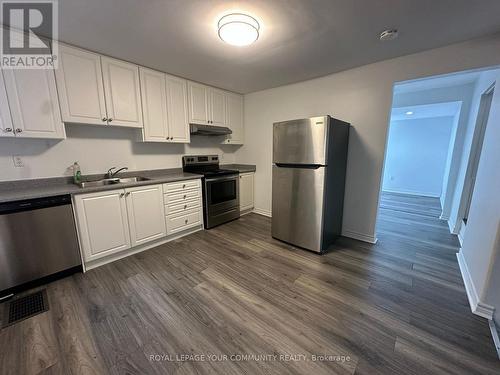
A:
<point x="242" y="168"/>
<point x="46" y="187"/>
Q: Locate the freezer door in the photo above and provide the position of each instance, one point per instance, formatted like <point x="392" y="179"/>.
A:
<point x="301" y="141"/>
<point x="298" y="206"/>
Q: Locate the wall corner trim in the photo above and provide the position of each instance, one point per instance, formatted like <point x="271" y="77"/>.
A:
<point x="477" y="307"/>
<point x="370" y="238"/>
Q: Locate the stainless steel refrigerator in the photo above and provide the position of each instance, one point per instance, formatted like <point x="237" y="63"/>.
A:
<point x="309" y="167"/>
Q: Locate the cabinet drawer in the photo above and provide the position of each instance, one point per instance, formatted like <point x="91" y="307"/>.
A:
<point x="181" y="186"/>
<point x="175" y="198"/>
<point x="183" y="206"/>
<point x="180" y="222"/>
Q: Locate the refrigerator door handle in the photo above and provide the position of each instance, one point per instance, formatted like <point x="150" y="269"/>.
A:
<point x="301" y="166"/>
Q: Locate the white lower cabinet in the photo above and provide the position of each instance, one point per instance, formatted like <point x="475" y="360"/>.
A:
<point x="145" y="214"/>
<point x="102" y="223"/>
<point x="116" y="223"/>
<point x="112" y="221"/>
<point x="183" y="205"/>
<point x="183" y="220"/>
<point x="246" y="191"/>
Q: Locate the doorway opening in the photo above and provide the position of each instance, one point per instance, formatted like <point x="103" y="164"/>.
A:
<point x="434" y="141"/>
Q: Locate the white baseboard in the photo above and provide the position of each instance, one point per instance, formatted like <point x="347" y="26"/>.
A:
<point x="494" y="334"/>
<point x="360" y="236"/>
<point x="477" y="307"/>
<point x="346" y="233"/>
<point x="461" y="234"/>
<point x="262" y="212"/>
<point x="451" y="226"/>
<point x="412" y="192"/>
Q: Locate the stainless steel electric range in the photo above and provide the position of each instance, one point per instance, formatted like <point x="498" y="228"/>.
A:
<point x="221" y="201"/>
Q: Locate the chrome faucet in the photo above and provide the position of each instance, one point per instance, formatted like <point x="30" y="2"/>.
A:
<point x="112" y="173"/>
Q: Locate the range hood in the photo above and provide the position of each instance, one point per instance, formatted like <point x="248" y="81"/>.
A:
<point x="209" y="130"/>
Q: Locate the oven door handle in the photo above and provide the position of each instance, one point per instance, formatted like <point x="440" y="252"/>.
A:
<point x="233" y="178"/>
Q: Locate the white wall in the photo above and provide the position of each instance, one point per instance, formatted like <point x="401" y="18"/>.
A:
<point x="97" y="149"/>
<point x="481" y="244"/>
<point x="416" y="155"/>
<point x="485" y="80"/>
<point x="363" y="97"/>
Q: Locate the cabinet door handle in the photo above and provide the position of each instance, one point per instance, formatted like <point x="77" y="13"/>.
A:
<point x="186" y="221"/>
<point x="127" y="193"/>
<point x="110" y="119"/>
<point x="184" y="196"/>
<point x="7" y="130"/>
<point x="122" y="195"/>
<point x="183" y="186"/>
<point x="185" y="206"/>
<point x="18" y="130"/>
<point x="104" y="119"/>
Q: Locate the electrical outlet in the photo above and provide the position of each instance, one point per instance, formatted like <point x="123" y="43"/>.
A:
<point x="18" y="161"/>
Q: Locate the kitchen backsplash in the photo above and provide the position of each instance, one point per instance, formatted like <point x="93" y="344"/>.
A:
<point x="97" y="149"/>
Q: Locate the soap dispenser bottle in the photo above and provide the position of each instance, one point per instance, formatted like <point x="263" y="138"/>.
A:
<point x="77" y="173"/>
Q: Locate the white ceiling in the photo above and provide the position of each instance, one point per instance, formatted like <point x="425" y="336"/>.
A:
<point x="300" y="39"/>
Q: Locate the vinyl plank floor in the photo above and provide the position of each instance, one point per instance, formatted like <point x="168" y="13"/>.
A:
<point x="396" y="307"/>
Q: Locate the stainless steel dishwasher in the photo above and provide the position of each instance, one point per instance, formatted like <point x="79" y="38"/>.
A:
<point x="38" y="242"/>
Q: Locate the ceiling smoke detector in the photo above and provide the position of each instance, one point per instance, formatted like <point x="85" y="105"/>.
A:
<point x="389" y="34"/>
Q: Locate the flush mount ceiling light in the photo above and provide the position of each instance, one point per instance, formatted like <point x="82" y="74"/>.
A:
<point x="409" y="113"/>
<point x="389" y="34"/>
<point x="238" y="29"/>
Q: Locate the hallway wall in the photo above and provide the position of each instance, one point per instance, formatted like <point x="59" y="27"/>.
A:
<point x="479" y="257"/>
<point x="416" y="155"/>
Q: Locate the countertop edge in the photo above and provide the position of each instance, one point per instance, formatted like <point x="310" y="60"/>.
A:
<point x="71" y="189"/>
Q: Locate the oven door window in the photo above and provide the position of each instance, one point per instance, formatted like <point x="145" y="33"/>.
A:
<point x="222" y="191"/>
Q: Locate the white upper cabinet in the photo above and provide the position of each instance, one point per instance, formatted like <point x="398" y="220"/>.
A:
<point x="81" y="91"/>
<point x="164" y="106"/>
<point x="198" y="104"/>
<point x="122" y="92"/>
<point x="211" y="106"/>
<point x="234" y="118"/>
<point x="217" y="105"/>
<point x="146" y="214"/>
<point x="33" y="102"/>
<point x="207" y="105"/>
<point x="6" y="127"/>
<point x="154" y="105"/>
<point x="95" y="89"/>
<point x="177" y="109"/>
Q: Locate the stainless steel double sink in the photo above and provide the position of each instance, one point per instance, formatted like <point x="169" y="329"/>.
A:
<point x="111" y="181"/>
